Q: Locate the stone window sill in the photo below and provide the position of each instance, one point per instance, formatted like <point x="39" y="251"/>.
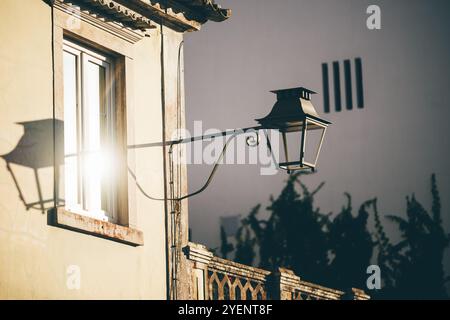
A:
<point x="87" y="225"/>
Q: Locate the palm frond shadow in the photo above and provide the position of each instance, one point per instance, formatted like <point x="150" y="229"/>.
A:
<point x="336" y="250"/>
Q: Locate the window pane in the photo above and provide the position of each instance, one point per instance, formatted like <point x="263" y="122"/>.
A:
<point x="70" y="131"/>
<point x="93" y="116"/>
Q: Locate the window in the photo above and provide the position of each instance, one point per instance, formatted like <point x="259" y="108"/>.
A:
<point x="90" y="135"/>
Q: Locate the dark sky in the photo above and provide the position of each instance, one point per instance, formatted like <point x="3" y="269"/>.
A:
<point x="387" y="150"/>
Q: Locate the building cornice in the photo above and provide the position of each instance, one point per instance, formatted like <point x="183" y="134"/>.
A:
<point x="179" y="15"/>
<point x="118" y="20"/>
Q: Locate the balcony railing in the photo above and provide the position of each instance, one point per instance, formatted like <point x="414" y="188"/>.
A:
<point x="214" y="278"/>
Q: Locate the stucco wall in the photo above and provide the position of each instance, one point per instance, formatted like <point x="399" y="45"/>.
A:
<point x="34" y="256"/>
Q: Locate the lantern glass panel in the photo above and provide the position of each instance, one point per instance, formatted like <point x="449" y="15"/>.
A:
<point x="314" y="135"/>
<point x="290" y="147"/>
<point x="300" y="147"/>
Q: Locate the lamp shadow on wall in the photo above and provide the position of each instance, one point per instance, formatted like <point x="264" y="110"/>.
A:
<point x="40" y="147"/>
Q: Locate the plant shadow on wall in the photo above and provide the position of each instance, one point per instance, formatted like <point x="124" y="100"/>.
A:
<point x="34" y="152"/>
<point x="337" y="251"/>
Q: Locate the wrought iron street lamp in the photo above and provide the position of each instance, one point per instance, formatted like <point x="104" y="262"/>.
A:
<point x="294" y="113"/>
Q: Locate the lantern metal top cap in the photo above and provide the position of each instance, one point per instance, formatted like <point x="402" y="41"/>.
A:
<point x="293" y="106"/>
<point x="299" y="92"/>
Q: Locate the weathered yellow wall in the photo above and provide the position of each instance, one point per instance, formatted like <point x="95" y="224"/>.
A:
<point x="34" y="256"/>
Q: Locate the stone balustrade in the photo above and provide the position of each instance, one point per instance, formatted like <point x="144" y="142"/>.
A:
<point x="214" y="278"/>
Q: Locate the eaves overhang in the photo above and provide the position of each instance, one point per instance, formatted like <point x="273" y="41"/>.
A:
<point x="179" y="15"/>
<point x="109" y="11"/>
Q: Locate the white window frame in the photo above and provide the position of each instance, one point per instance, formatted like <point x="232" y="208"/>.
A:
<point x="84" y="56"/>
